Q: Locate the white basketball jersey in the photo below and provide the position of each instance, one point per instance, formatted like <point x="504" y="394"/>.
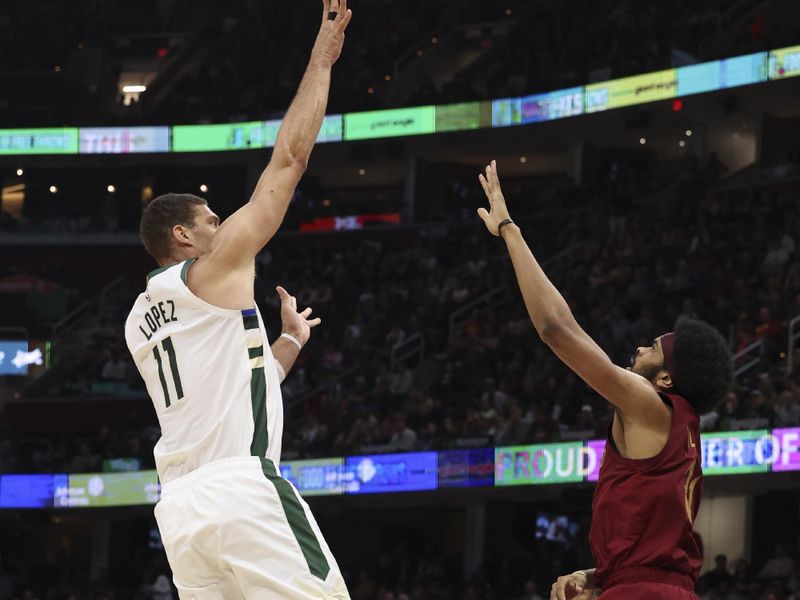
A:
<point x="210" y="374"/>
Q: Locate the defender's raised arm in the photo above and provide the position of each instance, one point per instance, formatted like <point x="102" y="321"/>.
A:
<point x="632" y="395"/>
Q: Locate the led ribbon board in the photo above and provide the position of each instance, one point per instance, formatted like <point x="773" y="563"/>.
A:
<point x="540" y="464"/>
<point x="722" y="74"/>
<point x="784" y="62"/>
<point x="123" y="140"/>
<point x="538" y="107"/>
<point x="39" y="141"/>
<point x="316" y="477"/>
<point x="109" y="489"/>
<point x="639" y="89"/>
<point x="384" y="473"/>
<point x="417" y="120"/>
<point x="211" y="138"/>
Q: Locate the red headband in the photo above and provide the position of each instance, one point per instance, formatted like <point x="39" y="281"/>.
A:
<point x="668" y="347"/>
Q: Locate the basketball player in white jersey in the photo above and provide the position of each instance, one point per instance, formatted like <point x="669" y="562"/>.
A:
<point x="231" y="526"/>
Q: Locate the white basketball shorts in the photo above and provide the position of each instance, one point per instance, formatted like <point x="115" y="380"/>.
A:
<point x="236" y="529"/>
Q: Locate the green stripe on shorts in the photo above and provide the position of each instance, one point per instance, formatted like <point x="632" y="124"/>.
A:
<point x="301" y="528"/>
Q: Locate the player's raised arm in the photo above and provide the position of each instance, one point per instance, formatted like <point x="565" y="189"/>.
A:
<point x="241" y="236"/>
<point x="632" y="394"/>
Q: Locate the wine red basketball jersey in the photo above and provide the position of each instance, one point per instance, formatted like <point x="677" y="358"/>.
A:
<point x="643" y="510"/>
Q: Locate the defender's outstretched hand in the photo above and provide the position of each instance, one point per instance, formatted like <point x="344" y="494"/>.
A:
<point x="295" y="323"/>
<point x="497" y="212"/>
<point x="335" y="17"/>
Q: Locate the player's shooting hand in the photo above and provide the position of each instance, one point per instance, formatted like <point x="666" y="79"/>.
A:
<point x="328" y="47"/>
<point x="497" y="203"/>
<point x="571" y="587"/>
<point x="296" y="324"/>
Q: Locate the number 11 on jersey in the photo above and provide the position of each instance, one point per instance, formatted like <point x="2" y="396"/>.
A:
<point x="173" y="367"/>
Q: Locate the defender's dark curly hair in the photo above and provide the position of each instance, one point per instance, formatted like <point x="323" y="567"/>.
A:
<point x="161" y="215"/>
<point x="702" y="365"/>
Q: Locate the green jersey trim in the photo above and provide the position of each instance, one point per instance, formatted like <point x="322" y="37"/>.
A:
<point x="258" y="382"/>
<point x="185" y="269"/>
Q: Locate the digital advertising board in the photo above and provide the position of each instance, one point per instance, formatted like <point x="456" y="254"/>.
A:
<point x="109" y="489"/>
<point x="63" y="140"/>
<point x="123" y="140"/>
<point x="538" y="107"/>
<point x="316" y="477"/>
<point x="463" y="116"/>
<point x="722" y="74"/>
<point x="225" y="136"/>
<point x="784" y="62"/>
<point x="733" y="452"/>
<point x="638" y="89"/>
<point x="541" y="464"/>
<point x="415" y="120"/>
<point x="15" y="357"/>
<point x="466" y="468"/>
<point x="386" y="473"/>
<point x="30" y="491"/>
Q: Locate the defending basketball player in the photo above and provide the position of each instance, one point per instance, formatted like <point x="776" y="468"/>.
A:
<point x="650" y="483"/>
<point x="231" y="526"/>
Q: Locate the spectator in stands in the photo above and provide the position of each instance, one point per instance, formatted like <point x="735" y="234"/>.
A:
<point x="786" y="409"/>
<point x="779" y="566"/>
<point x="404" y="439"/>
<point x="718" y="574"/>
<point x="161" y="589"/>
<point x="531" y="591"/>
<point x="115" y="368"/>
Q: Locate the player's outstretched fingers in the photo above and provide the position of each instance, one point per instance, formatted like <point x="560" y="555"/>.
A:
<point x="326" y="8"/>
<point x="314" y="322"/>
<point x="282" y="293"/>
<point x="307" y="312"/>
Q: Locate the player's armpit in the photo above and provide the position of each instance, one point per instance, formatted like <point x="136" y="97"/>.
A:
<point x="632" y="395"/>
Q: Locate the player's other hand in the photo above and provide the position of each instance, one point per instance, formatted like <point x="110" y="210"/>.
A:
<point x="328" y="47"/>
<point x="296" y="324"/>
<point x="497" y="203"/>
<point x="571" y="587"/>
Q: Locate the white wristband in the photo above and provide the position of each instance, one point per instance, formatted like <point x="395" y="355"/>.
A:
<point x="293" y="339"/>
<point x="281" y="372"/>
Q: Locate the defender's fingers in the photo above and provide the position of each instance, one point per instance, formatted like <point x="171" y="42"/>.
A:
<point x="314" y="322"/>
<point x="326" y="8"/>
<point x="485" y="186"/>
<point x="282" y="293"/>
<point x="342" y="9"/>
<point x="495" y="178"/>
<point x="489" y="179"/>
<point x="306" y="313"/>
<point x="483" y="214"/>
<point x="345" y="20"/>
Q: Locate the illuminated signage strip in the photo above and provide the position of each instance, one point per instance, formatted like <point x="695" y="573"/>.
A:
<point x="724" y="453"/>
<point x="123" y="140"/>
<point x="17" y="142"/>
<point x="417" y="120"/>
